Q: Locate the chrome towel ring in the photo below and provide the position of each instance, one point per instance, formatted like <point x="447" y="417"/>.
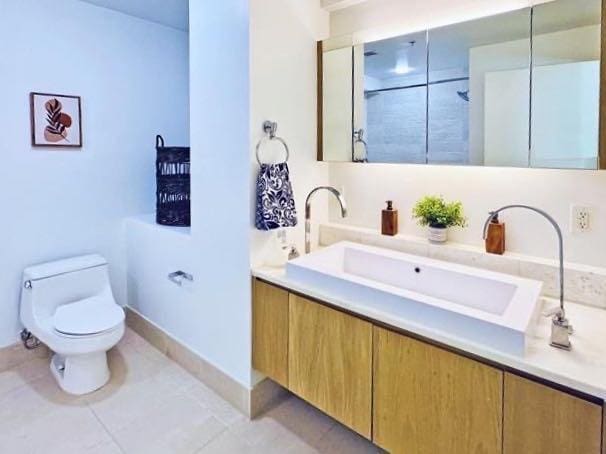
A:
<point x="270" y="128"/>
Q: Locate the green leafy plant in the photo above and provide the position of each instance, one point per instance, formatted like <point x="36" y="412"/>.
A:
<point x="434" y="211"/>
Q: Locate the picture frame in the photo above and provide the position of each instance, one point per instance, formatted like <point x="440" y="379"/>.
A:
<point x="56" y="120"/>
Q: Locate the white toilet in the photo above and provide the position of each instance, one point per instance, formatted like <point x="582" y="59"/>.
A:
<point x="69" y="306"/>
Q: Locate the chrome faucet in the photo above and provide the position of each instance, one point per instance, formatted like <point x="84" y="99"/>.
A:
<point x="339" y="197"/>
<point x="560" y="327"/>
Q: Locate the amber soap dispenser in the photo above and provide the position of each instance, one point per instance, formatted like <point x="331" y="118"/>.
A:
<point x="389" y="220"/>
<point x="495" y="237"/>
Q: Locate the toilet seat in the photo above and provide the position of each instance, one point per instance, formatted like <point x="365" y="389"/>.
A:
<point x="90" y="316"/>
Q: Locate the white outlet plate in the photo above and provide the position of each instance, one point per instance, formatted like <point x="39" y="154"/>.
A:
<point x="580" y="219"/>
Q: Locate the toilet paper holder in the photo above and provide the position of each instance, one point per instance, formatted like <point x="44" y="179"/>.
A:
<point x="177" y="277"/>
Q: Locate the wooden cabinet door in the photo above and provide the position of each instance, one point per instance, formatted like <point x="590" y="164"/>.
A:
<point x="270" y="331"/>
<point x="428" y="400"/>
<point x="542" y="420"/>
<point x="330" y="362"/>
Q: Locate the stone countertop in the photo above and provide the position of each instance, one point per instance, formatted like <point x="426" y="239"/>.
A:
<point x="583" y="369"/>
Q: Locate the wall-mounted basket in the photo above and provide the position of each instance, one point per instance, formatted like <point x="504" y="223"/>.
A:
<point x="173" y="206"/>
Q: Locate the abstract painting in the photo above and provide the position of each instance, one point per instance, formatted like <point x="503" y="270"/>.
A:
<point x="56" y="120"/>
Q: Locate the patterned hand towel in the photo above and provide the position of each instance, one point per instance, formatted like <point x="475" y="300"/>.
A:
<point x="275" y="201"/>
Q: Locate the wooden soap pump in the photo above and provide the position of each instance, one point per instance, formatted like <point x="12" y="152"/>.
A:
<point x="389" y="220"/>
<point x="495" y="236"/>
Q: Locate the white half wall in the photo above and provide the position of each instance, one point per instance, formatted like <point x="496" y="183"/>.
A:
<point x="220" y="157"/>
<point x="132" y="77"/>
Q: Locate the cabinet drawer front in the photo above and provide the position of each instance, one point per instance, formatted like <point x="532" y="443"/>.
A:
<point x="428" y="400"/>
<point x="330" y="362"/>
<point x="542" y="420"/>
<point x="270" y="331"/>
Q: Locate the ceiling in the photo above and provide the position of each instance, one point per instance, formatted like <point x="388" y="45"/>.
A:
<point x="172" y="13"/>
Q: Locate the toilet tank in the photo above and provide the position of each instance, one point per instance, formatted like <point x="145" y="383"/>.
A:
<point x="49" y="285"/>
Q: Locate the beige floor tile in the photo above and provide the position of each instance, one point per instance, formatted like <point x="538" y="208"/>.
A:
<point x="260" y="431"/>
<point x="104" y="448"/>
<point x="178" y="425"/>
<point x="302" y="419"/>
<point x="152" y="405"/>
<point x="219" y="407"/>
<point x="341" y="440"/>
<point x="226" y="443"/>
<point x="292" y="421"/>
<point x="23" y="406"/>
<point x="128" y="403"/>
<point x="287" y="443"/>
<point x="23" y="374"/>
<point x="64" y="430"/>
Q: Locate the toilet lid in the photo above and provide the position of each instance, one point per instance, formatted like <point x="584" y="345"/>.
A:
<point x="88" y="316"/>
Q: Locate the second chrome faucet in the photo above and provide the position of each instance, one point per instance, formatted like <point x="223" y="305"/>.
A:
<point x="339" y="197"/>
<point x="560" y="326"/>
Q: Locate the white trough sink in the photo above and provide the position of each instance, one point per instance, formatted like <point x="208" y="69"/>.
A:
<point x="491" y="309"/>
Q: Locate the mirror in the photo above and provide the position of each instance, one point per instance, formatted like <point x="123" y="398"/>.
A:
<point x="390" y="95"/>
<point x="566" y="84"/>
<point x="337" y="83"/>
<point x="487" y="92"/>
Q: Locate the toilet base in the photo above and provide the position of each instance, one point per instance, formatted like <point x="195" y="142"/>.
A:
<point x="80" y="374"/>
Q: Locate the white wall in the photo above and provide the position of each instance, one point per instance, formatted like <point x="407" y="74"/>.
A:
<point x="283" y="87"/>
<point x="132" y="76"/>
<point x="220" y="141"/>
<point x="480" y="189"/>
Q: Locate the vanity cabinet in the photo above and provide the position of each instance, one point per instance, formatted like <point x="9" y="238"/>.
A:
<point x="428" y="400"/>
<point x="270" y="331"/>
<point x="330" y="362"/>
<point x="541" y="420"/>
<point x="409" y="395"/>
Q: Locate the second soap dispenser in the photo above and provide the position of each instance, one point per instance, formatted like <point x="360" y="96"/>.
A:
<point x="495" y="237"/>
<point x="389" y="220"/>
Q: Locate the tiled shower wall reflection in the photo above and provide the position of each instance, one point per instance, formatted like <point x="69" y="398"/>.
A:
<point x="396" y="126"/>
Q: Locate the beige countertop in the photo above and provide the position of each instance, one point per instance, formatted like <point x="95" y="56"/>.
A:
<point x="583" y="369"/>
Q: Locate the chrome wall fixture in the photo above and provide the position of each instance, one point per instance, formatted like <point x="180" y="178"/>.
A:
<point x="270" y="128"/>
<point x="560" y="327"/>
<point x="358" y="138"/>
<point x="179" y="276"/>
<point x="334" y="192"/>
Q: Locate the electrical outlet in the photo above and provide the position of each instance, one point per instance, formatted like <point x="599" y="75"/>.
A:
<point x="580" y="219"/>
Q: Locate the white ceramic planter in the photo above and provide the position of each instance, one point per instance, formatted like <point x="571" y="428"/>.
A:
<point x="437" y="235"/>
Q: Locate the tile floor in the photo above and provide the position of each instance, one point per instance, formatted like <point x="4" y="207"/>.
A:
<point x="152" y="405"/>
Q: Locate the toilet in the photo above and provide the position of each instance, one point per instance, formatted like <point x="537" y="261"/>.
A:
<point x="69" y="306"/>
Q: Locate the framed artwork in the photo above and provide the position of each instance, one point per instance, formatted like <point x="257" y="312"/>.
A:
<point x="56" y="120"/>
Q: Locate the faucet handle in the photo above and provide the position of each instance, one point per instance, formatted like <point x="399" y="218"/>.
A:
<point x="293" y="253"/>
<point x="560" y="333"/>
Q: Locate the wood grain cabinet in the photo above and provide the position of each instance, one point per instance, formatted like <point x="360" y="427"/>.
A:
<point x="428" y="400"/>
<point x="410" y="396"/>
<point x="330" y="362"/>
<point x="542" y="420"/>
<point x="270" y="331"/>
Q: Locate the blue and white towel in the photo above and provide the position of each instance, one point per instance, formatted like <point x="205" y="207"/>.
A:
<point x="275" y="201"/>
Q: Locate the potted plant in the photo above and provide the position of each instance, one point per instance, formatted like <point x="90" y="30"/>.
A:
<point x="438" y="215"/>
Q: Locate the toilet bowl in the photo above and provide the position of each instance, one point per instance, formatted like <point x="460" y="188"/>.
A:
<point x="68" y="305"/>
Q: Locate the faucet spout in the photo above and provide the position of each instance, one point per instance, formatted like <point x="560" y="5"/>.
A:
<point x="560" y="327"/>
<point x="342" y="203"/>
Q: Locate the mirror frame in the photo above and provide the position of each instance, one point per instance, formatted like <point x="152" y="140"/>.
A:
<point x="348" y="41"/>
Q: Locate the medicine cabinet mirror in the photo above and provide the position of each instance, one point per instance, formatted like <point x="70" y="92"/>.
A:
<point x="519" y="89"/>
